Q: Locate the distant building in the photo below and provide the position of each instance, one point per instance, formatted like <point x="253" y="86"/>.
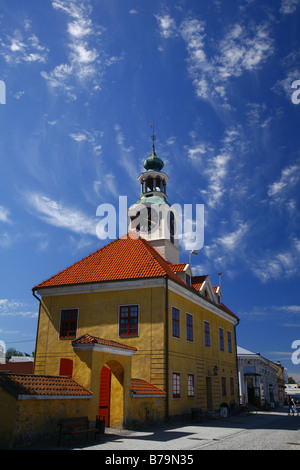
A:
<point x="261" y="381"/>
<point x="293" y="389"/>
<point x="18" y="364"/>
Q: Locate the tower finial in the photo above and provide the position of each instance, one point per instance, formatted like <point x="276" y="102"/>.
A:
<point x="153" y="136"/>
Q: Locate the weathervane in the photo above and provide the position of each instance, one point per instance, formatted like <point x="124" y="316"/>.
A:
<point x="153" y="135"/>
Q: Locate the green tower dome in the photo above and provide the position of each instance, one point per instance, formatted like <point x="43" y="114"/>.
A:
<point x="153" y="162"/>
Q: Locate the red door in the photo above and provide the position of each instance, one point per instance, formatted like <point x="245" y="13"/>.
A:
<point x="104" y="399"/>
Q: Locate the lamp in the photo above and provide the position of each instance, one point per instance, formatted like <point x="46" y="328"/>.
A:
<point x="216" y="370"/>
<point x="192" y="252"/>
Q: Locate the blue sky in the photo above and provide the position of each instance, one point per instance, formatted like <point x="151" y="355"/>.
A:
<point x="84" y="81"/>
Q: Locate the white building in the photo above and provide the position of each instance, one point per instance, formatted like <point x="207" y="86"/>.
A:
<point x="261" y="381"/>
<point x="293" y="389"/>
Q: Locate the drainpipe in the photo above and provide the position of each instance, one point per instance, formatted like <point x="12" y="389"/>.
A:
<point x="40" y="302"/>
<point x="167" y="350"/>
<point x="237" y="362"/>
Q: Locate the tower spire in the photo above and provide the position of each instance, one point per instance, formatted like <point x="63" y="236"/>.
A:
<point x="153" y="138"/>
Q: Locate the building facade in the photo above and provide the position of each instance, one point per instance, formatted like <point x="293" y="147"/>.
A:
<point x="133" y="325"/>
<point x="262" y="382"/>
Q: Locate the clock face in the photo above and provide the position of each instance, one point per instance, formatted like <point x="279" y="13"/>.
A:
<point x="148" y="220"/>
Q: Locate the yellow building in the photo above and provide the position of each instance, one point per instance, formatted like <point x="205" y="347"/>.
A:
<point x="133" y="325"/>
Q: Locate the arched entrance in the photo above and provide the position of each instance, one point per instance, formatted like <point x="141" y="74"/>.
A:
<point x="111" y="397"/>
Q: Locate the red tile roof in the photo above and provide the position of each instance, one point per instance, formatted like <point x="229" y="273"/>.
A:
<point x="88" y="339"/>
<point x="197" y="281"/>
<point x="141" y="387"/>
<point x="24" y="367"/>
<point x="128" y="257"/>
<point x="177" y="268"/>
<point x="229" y="311"/>
<point x="42" y="385"/>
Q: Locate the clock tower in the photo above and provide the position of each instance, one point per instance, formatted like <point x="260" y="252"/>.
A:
<point x="152" y="217"/>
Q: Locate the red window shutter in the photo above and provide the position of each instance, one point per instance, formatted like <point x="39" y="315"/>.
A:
<point x="66" y="367"/>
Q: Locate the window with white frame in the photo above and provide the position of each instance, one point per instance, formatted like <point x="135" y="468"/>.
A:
<point x="189" y="327"/>
<point x="221" y="339"/>
<point x="175" y="323"/>
<point x="190" y="385"/>
<point x="206" y="333"/>
<point x="229" y="342"/>
<point x="176" y="385"/>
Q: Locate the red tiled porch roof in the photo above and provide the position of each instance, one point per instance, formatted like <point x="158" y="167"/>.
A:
<point x="141" y="387"/>
<point x="42" y="385"/>
<point x="88" y="339"/>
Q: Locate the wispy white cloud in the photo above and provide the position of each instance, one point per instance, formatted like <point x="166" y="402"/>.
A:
<point x="23" y="46"/>
<point x="106" y="186"/>
<point x="231" y="241"/>
<point x="58" y="215"/>
<point x="226" y="251"/>
<point x="279" y="190"/>
<point x="289" y="308"/>
<point x="214" y="164"/>
<point x="242" y="48"/>
<point x="276" y="265"/>
<point x="6" y="240"/>
<point x="86" y="60"/>
<point x="83" y="54"/>
<point x="16" y="308"/>
<point x="126" y="157"/>
<point x="166" y="24"/>
<point x="288" y="6"/>
<point x="4" y="215"/>
<point x="93" y="138"/>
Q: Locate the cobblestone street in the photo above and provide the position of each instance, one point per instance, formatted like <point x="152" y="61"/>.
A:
<point x="261" y="431"/>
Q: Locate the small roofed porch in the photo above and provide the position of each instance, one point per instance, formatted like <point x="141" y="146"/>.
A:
<point x="118" y="398"/>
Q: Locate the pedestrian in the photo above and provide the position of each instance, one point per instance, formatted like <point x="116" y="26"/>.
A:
<point x="292" y="406"/>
